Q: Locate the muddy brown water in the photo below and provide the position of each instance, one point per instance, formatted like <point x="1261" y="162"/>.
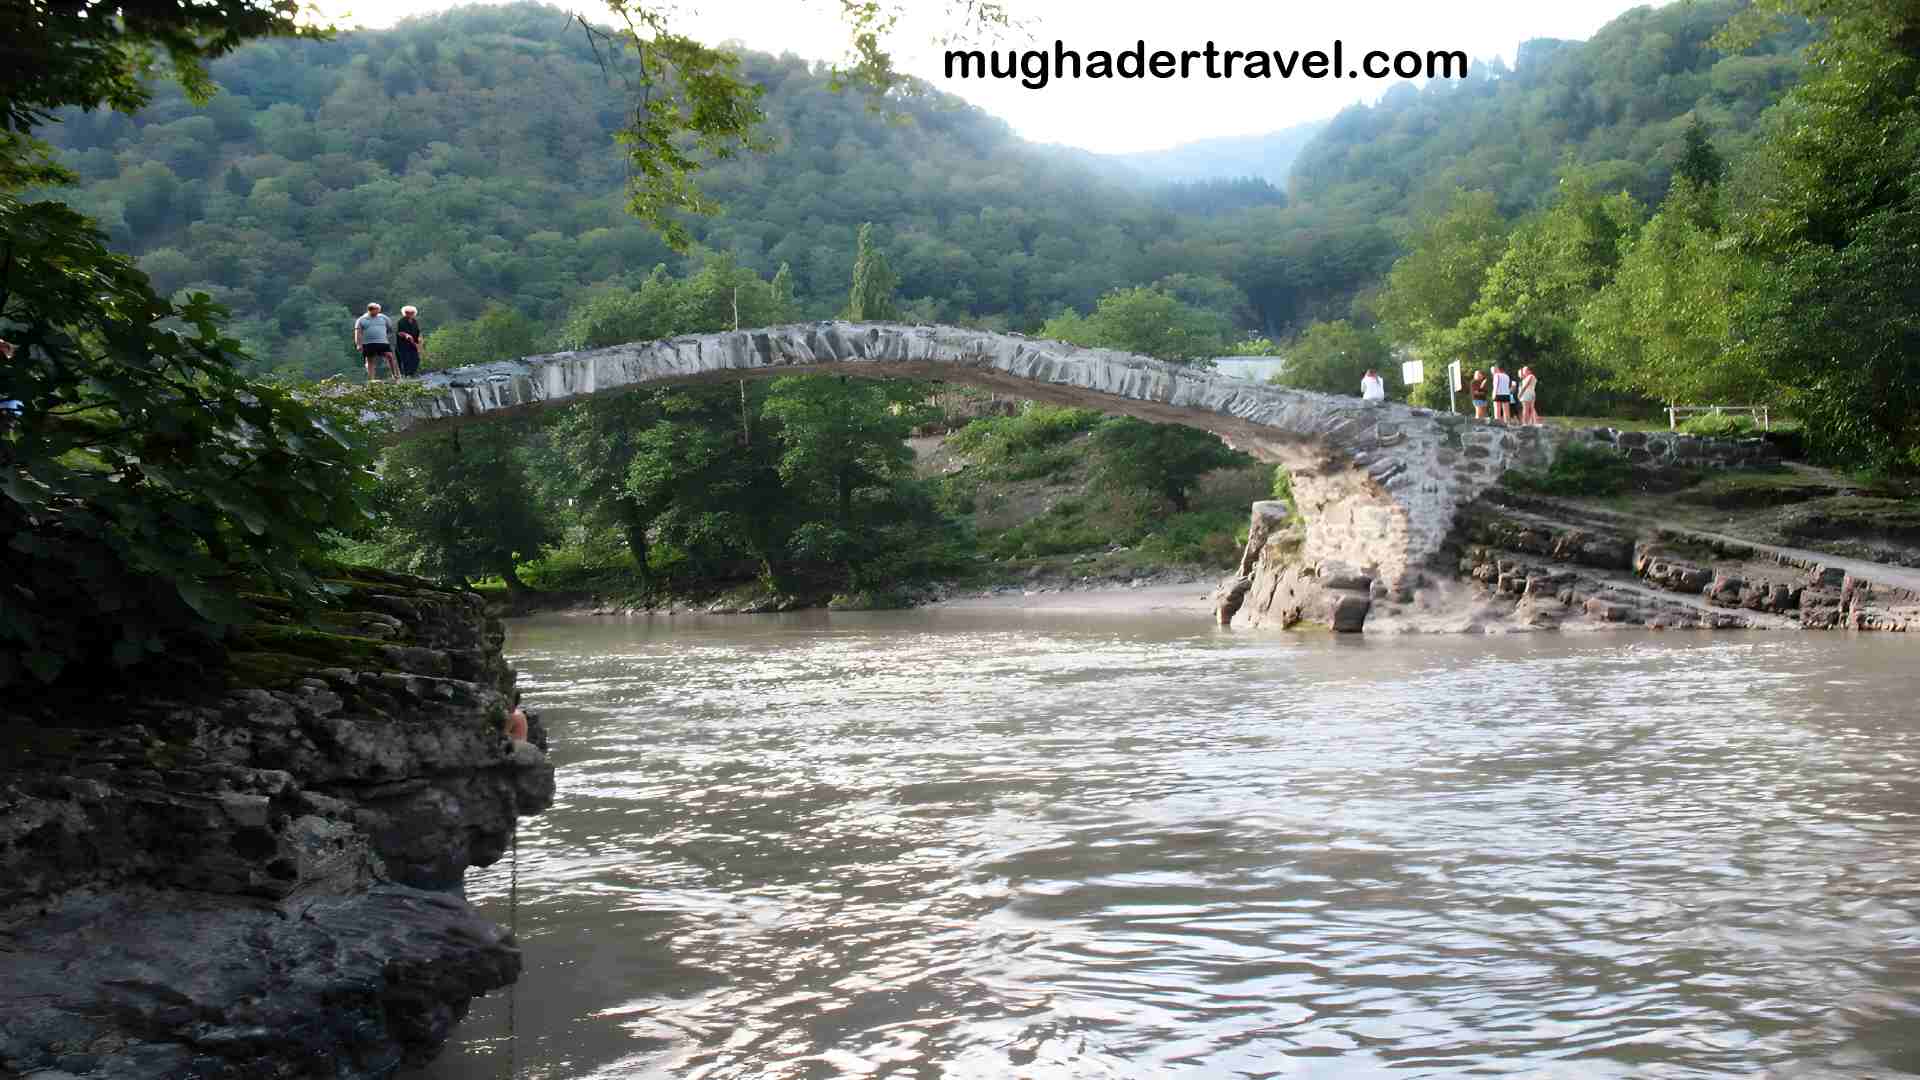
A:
<point x="980" y="843"/>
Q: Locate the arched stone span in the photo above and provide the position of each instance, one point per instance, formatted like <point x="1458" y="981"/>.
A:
<point x="1377" y="484"/>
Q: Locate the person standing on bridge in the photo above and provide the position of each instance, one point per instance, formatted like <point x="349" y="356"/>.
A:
<point x="1477" y="390"/>
<point x="373" y="336"/>
<point x="1529" y="388"/>
<point x="1372" y="387"/>
<point x="1502" y="395"/>
<point x="406" y="342"/>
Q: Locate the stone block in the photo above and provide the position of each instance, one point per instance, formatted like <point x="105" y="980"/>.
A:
<point x="1606" y="610"/>
<point x="1347" y="612"/>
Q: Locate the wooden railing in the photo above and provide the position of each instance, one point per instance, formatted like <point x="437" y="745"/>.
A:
<point x="1675" y="413"/>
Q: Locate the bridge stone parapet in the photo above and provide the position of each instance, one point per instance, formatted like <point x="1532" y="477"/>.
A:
<point x="1377" y="484"/>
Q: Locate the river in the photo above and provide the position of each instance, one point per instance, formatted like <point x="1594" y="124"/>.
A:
<point x="991" y="843"/>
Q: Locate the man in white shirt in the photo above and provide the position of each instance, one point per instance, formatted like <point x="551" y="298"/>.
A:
<point x="373" y="337"/>
<point x="1372" y="388"/>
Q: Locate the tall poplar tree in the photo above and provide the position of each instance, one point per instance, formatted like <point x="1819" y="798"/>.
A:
<point x="873" y="283"/>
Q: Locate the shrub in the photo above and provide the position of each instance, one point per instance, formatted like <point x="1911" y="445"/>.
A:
<point x="1719" y="426"/>
<point x="1579" y="469"/>
<point x="1001" y="441"/>
<point x="1209" y="537"/>
<point x="1283" y="486"/>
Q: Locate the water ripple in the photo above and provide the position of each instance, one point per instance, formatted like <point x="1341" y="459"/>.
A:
<point x="940" y="844"/>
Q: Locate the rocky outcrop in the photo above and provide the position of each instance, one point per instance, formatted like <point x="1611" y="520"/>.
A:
<point x="254" y="881"/>
<point x="1543" y="563"/>
<point x="1514" y="561"/>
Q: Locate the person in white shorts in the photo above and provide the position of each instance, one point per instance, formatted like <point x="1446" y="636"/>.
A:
<point x="1529" y="389"/>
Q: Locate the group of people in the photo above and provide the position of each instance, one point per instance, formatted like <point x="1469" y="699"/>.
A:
<point x="375" y="336"/>
<point x="1506" y="392"/>
<point x="1501" y="391"/>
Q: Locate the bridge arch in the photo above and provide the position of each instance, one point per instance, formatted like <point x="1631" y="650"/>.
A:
<point x="1376" y="484"/>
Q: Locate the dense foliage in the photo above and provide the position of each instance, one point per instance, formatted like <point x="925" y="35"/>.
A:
<point x="1619" y="104"/>
<point x="145" y="486"/>
<point x="1830" y="216"/>
<point x="1331" y="357"/>
<point x="1780" y="274"/>
<point x="467" y="160"/>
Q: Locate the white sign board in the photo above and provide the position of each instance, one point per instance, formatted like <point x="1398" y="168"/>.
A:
<point x="1412" y="372"/>
<point x="1453" y="376"/>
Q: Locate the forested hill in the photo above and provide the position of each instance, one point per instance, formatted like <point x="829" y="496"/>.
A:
<point x="1617" y="104"/>
<point x="467" y="159"/>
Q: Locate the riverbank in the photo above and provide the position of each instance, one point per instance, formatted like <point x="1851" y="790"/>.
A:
<point x="1053" y="584"/>
<point x="1192" y="596"/>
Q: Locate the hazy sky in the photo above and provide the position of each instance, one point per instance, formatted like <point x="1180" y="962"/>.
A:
<point x="1114" y="115"/>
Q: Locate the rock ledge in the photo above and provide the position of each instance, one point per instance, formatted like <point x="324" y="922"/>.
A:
<point x="256" y="882"/>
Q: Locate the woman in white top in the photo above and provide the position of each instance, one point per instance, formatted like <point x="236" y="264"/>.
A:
<point x="1529" y="387"/>
<point x="1502" y="394"/>
<point x="1372" y="387"/>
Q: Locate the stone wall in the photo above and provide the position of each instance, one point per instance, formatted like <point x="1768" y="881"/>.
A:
<point x="251" y="881"/>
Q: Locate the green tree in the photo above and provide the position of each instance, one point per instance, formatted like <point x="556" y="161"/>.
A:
<point x="711" y="493"/>
<point x="1700" y="164"/>
<point x="1832" y="217"/>
<point x="860" y="519"/>
<point x="595" y="443"/>
<point x="79" y="56"/>
<point x="615" y="316"/>
<point x="1330" y="358"/>
<point x="500" y="333"/>
<point x="460" y="505"/>
<point x="841" y="435"/>
<point x="1527" y="311"/>
<point x="1434" y="285"/>
<point x="874" y="281"/>
<point x="1663" y="325"/>
<point x="1147" y="321"/>
<point x="1164" y="460"/>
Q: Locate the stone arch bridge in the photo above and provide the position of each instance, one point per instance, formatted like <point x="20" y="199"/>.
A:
<point x="1376" y="484"/>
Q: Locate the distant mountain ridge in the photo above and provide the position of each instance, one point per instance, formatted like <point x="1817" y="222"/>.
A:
<point x="1269" y="157"/>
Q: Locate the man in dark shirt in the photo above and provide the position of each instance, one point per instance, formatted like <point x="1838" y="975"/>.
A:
<point x="406" y="342"/>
